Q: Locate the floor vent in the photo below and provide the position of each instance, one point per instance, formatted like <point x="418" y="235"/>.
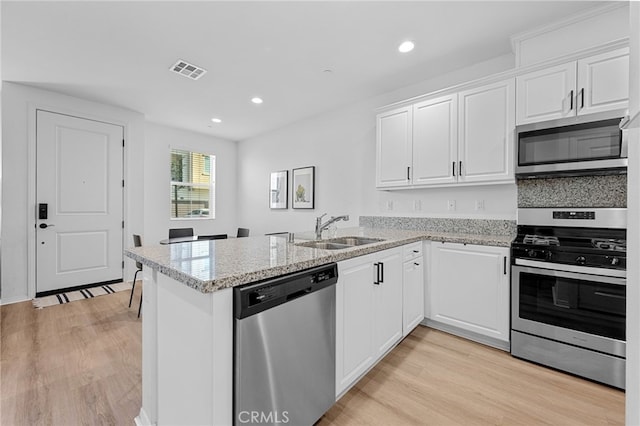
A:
<point x="188" y="70"/>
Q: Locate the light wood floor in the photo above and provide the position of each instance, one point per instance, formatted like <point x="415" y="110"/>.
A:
<point x="79" y="364"/>
<point x="73" y="364"/>
<point x="433" y="378"/>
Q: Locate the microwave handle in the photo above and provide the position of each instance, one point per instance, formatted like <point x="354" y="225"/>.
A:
<point x="624" y="143"/>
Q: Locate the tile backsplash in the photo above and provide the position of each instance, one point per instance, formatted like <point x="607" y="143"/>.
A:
<point x="580" y="191"/>
<point x="438" y="224"/>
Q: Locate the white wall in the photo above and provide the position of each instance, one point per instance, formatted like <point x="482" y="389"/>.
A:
<point x="633" y="231"/>
<point x="0" y="161"/>
<point x="18" y="186"/>
<point x="341" y="145"/>
<point x="157" y="176"/>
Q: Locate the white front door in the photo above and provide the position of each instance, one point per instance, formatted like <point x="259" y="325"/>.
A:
<point x="79" y="183"/>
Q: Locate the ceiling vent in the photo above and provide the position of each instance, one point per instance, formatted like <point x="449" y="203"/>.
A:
<point x="188" y="70"/>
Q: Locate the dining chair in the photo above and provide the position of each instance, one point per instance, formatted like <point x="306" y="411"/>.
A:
<point x="243" y="232"/>
<point x="213" y="237"/>
<point x="180" y="232"/>
<point x="137" y="242"/>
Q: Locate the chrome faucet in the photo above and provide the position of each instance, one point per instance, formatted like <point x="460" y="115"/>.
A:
<point x="322" y="226"/>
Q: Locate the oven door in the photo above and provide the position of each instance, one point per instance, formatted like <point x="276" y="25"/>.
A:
<point x="576" y="308"/>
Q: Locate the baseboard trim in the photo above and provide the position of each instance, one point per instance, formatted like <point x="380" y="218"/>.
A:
<point x="15" y="299"/>
<point x="470" y="335"/>
<point x="142" y="419"/>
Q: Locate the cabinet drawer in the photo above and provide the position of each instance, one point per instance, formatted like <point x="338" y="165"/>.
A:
<point x="411" y="251"/>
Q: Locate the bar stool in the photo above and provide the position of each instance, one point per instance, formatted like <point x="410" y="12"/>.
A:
<point x="137" y="242"/>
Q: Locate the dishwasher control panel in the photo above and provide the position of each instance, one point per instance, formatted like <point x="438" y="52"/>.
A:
<point x="257" y="297"/>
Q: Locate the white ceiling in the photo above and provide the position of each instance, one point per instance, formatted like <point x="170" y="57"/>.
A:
<point x="119" y="53"/>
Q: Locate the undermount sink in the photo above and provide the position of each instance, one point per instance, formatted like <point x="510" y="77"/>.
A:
<point x="340" y="243"/>
<point x="355" y="241"/>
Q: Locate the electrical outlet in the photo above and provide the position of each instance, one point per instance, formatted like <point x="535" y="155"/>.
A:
<point x="479" y="204"/>
<point x="389" y="205"/>
<point x="417" y="205"/>
<point x="451" y="204"/>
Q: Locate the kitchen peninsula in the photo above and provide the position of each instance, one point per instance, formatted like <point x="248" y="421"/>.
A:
<point x="187" y="372"/>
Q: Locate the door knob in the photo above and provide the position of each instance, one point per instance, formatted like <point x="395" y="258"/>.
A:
<point x="45" y="226"/>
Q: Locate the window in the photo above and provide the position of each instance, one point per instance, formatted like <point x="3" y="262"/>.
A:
<point x="192" y="185"/>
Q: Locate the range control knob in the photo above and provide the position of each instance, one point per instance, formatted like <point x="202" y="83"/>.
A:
<point x="532" y="253"/>
<point x="548" y="255"/>
<point x="581" y="260"/>
<point x="615" y="261"/>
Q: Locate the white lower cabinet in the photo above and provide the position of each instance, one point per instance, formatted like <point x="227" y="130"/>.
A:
<point x="469" y="288"/>
<point x="368" y="313"/>
<point x="412" y="287"/>
<point x="387" y="301"/>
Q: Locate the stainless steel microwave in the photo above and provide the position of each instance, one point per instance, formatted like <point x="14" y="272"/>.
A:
<point x="583" y="145"/>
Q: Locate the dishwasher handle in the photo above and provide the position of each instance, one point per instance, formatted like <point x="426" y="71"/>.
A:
<point x="299" y="293"/>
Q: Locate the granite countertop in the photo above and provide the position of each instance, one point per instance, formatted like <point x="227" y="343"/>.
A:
<point x="211" y="265"/>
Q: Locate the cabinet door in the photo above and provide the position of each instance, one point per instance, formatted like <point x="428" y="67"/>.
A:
<point x="486" y="132"/>
<point x="603" y="82"/>
<point x="546" y="94"/>
<point x="354" y="320"/>
<point x="412" y="294"/>
<point x="393" y="147"/>
<point x="470" y="288"/>
<point x="387" y="302"/>
<point x="435" y="141"/>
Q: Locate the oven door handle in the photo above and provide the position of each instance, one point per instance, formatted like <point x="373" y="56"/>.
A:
<point x="613" y="296"/>
<point x="532" y="267"/>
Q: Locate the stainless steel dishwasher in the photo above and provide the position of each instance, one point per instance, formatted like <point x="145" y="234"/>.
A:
<point x="284" y="348"/>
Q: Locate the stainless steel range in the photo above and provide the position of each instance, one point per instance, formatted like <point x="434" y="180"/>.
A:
<point x="568" y="291"/>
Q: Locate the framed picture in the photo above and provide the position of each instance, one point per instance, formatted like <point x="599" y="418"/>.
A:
<point x="279" y="190"/>
<point x="303" y="191"/>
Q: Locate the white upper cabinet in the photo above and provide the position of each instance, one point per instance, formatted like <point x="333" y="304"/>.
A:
<point x="435" y="140"/>
<point x="487" y="122"/>
<point x="593" y="84"/>
<point x="472" y="129"/>
<point x="393" y="150"/>
<point x="546" y="94"/>
<point x="603" y="82"/>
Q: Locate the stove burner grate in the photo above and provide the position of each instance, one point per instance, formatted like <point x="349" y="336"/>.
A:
<point x="605" y="244"/>
<point x="541" y="240"/>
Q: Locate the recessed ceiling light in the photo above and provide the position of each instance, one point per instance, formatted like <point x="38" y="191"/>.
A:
<point x="256" y="100"/>
<point x="216" y="120"/>
<point x="406" y="46"/>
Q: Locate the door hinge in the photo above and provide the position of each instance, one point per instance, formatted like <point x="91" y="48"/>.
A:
<point x="123" y="264"/>
<point x="123" y="183"/>
<point x="123" y="224"/>
<point x="123" y="143"/>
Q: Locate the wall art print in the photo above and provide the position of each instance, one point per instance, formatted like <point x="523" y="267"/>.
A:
<point x="303" y="190"/>
<point x="279" y="190"/>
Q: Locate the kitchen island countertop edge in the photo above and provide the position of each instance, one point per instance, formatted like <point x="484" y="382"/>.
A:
<point x="211" y="265"/>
